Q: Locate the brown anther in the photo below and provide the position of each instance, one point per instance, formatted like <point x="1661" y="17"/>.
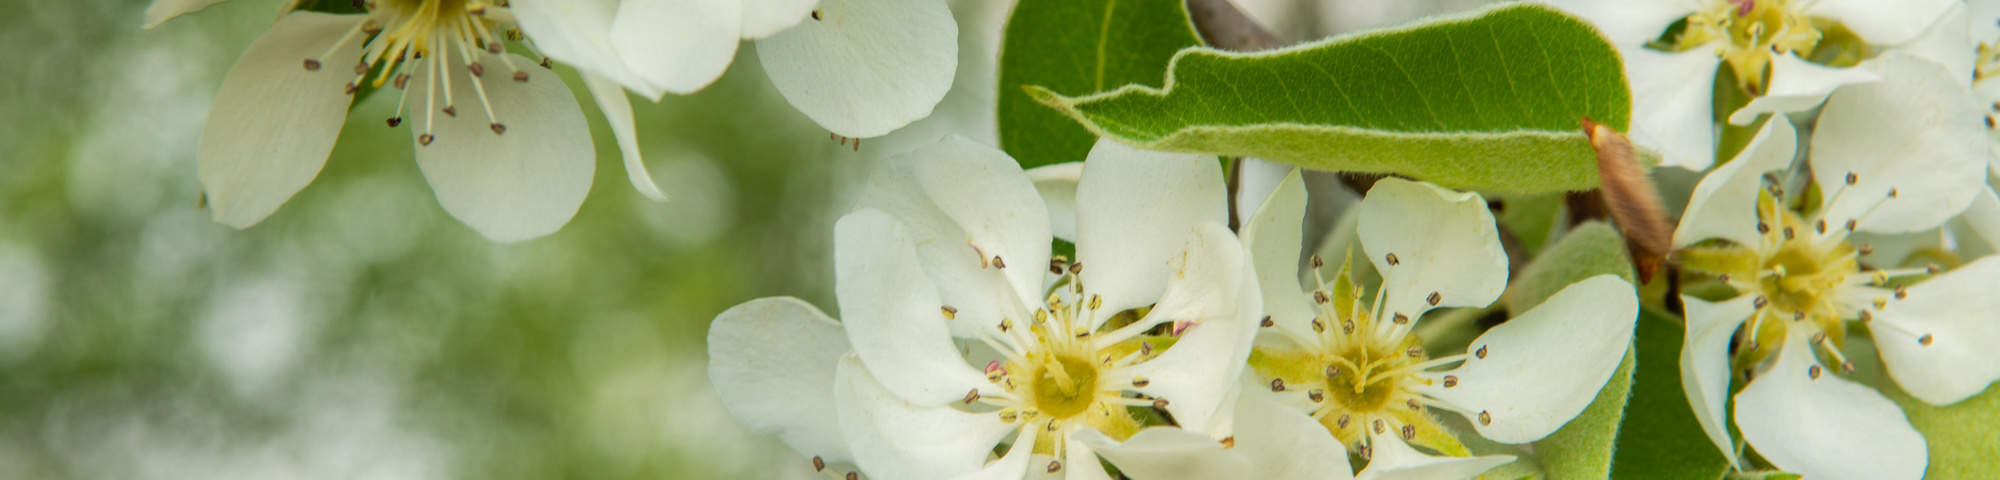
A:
<point x="815" y="14"/>
<point x="1400" y="319"/>
<point x="1145" y="349"/>
<point x="1818" y="337"/>
<point x="1267" y="323"/>
<point x="1481" y="353"/>
<point x="1056" y="265"/>
<point x="1450" y="381"/>
<point x="1229" y="442"/>
<point x="1847" y="367"/>
<point x="1320" y="297"/>
<point x="1318" y="326"/>
<point x="1892" y="193"/>
<point x="361" y="68"/>
<point x="1342" y="422"/>
<point x="997" y="263"/>
<point x="1392" y="259"/>
<point x="1332" y="372"/>
<point x="1851" y="178"/>
<point x="1820" y="226"/>
<point x="971" y="396"/>
<point x="1788" y="232"/>
<point x="1277" y="384"/>
<point x="1006" y="324"/>
<point x="545" y="62"/>
<point x="451" y="110"/>
<point x="1412" y="403"/>
<point x="1435" y="298"/>
<point x="1933" y="269"/>
<point x="1864" y="249"/>
<point x="1724" y="278"/>
<point x="1760" y="301"/>
<point x="1881" y="303"/>
<point x="394" y="121"/>
<point x="1318" y="262"/>
<point x="1925" y="340"/>
<point x="521" y="76"/>
<point x="1902" y="292"/>
<point x="1415" y="351"/>
<point x="1867" y="316"/>
<point x="819" y="464"/>
<point x="1054" y="465"/>
<point x="425" y="139"/>
<point x="1141" y="382"/>
<point x="498" y="128"/>
<point x="312" y="65"/>
<point x="402" y="80"/>
<point x="351" y="88"/>
<point x="1160" y="403"/>
<point x="1763" y="228"/>
<point x="1316" y="395"/>
<point x="1076" y="268"/>
<point x="853" y="476"/>
<point x="1347" y="327"/>
<point x="1367" y="451"/>
<point x="1798" y="315"/>
<point x="1379" y="426"/>
<point x="950" y="313"/>
<point x="1409" y="432"/>
<point x="1485" y="418"/>
<point x="476" y="69"/>
<point x="1851" y="223"/>
<point x="1813" y="372"/>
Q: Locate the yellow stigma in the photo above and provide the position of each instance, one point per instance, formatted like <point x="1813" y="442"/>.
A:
<point x="1065" y="386"/>
<point x="1794" y="273"/>
<point x="1748" y="33"/>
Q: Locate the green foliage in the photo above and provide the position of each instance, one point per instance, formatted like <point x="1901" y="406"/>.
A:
<point x="1583" y="447"/>
<point x="1660" y="438"/>
<point x="1587" y="251"/>
<point x="1488" y="101"/>
<point x="1078" y="47"/>
<point x="1532" y="218"/>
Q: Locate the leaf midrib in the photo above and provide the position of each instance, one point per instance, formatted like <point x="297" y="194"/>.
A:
<point x="1103" y="39"/>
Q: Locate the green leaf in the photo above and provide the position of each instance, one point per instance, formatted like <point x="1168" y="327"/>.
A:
<point x="1079" y="47"/>
<point x="1762" y="475"/>
<point x="1661" y="438"/>
<point x="1582" y="448"/>
<point x="1532" y="218"/>
<point x="1589" y="250"/>
<point x="1487" y="101"/>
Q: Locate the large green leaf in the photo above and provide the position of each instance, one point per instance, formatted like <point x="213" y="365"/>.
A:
<point x="1078" y="47"/>
<point x="1660" y="438"/>
<point x="1489" y="100"/>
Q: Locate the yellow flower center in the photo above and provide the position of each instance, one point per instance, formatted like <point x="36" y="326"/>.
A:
<point x="1748" y="33"/>
<point x="440" y="36"/>
<point x="1065" y="386"/>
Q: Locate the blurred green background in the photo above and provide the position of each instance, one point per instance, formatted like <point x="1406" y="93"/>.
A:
<point x="360" y="332"/>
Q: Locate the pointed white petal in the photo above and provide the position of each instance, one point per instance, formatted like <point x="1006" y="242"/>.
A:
<point x="1797" y="85"/>
<point x="1958" y="311"/>
<point x="1948" y="43"/>
<point x="1705" y="370"/>
<point x="1672" y="103"/>
<point x="1918" y="132"/>
<point x="578" y="32"/>
<point x="1395" y="460"/>
<point x="1631" y="22"/>
<point x="1216" y="292"/>
<point x="1542" y="367"/>
<point x="1283" y="443"/>
<point x="1444" y="241"/>
<point x="1134" y="211"/>
<point x="511" y="186"/>
<point x="162" y="10"/>
<point x="866" y="67"/>
<point x="1724" y="204"/>
<point x="1824" y="426"/>
<point x="1983" y="14"/>
<point x="763" y="18"/>
<point x="894" y="440"/>
<point x="1983" y="218"/>
<point x="1886" y="23"/>
<point x="965" y="203"/>
<point x="892" y="312"/>
<point x="1166" y="453"/>
<point x="618" y="112"/>
<point x="1274" y="235"/>
<point x="1080" y="463"/>
<point x="772" y="360"/>
<point x="1012" y="465"/>
<point x="1057" y="184"/>
<point x="678" y="45"/>
<point x="274" y="121"/>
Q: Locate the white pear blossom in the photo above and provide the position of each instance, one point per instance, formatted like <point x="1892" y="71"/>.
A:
<point x="1767" y="44"/>
<point x="1354" y="374"/>
<point x="1901" y="155"/>
<point x="860" y="68"/>
<point x="500" y="139"/>
<point x="949" y="246"/>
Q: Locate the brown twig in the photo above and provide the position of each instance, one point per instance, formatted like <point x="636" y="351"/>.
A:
<point x="1223" y="26"/>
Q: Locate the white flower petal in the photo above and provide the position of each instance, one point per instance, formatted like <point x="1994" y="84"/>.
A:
<point x="1080" y="463"/>
<point x="1797" y="85"/>
<point x="1724" y="204"/>
<point x="273" y="122"/>
<point x="1284" y="443"/>
<point x="1057" y="184"/>
<point x="773" y="360"/>
<point x="511" y="186"/>
<point x="677" y="45"/>
<point x="1134" y="211"/>
<point x="618" y="112"/>
<point x="965" y="203"/>
<point x="1885" y="23"/>
<point x="1948" y="43"/>
<point x="1166" y="453"/>
<point x="1918" y="132"/>
<point x="1672" y="103"/>
<point x="1012" y="465"/>
<point x="892" y="312"/>
<point x="1540" y="369"/>
<point x="1629" y="22"/>
<point x="894" y="440"/>
<point x="1274" y="235"/>
<point x="1395" y="460"/>
<point x="1957" y="311"/>
<point x="866" y="67"/>
<point x="162" y="10"/>
<point x="578" y="33"/>
<point x="1705" y="371"/>
<point x="1826" y="427"/>
<point x="1983" y="218"/>
<point x="1444" y="241"/>
<point x="763" y="18"/>
<point x="1983" y="13"/>
<point x="1197" y="375"/>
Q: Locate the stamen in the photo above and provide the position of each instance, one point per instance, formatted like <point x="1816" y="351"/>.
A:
<point x="1267" y="323"/>
<point x="949" y="312"/>
<point x="1392" y="259"/>
<point x="819" y="464"/>
<point x="1277" y="384"/>
<point x="1450" y="381"/>
<point x="1485" y="418"/>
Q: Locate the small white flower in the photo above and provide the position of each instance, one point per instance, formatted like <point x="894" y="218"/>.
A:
<point x="1353" y="372"/>
<point x="510" y="155"/>
<point x="1901" y="155"/>
<point x="1672" y="89"/>
<point x="860" y="68"/>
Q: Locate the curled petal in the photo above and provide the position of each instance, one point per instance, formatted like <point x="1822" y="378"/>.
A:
<point x="1805" y="419"/>
<point x="773" y="362"/>
<point x="865" y="67"/>
<point x="895" y="440"/>
<point x="1444" y="243"/>
<point x="1724" y="204"/>
<point x="892" y="313"/>
<point x="1705" y="370"/>
<point x="1798" y="85"/>
<point x="1274" y="235"/>
<point x="1134" y="211"/>
<point x="1944" y="346"/>
<point x="274" y="121"/>
<point x="1165" y="453"/>
<point x="1672" y="102"/>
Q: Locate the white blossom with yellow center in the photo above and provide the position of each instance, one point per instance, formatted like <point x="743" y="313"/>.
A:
<point x="949" y="247"/>
<point x="1354" y="372"/>
<point x="1763" y="41"/>
<point x="1901" y="155"/>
